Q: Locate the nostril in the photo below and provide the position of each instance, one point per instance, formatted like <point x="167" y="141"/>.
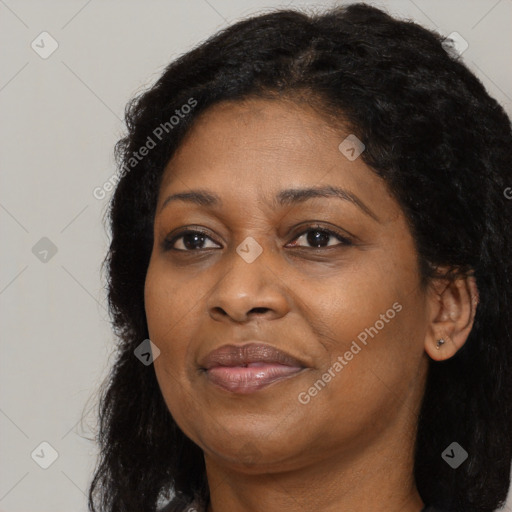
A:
<point x="258" y="310"/>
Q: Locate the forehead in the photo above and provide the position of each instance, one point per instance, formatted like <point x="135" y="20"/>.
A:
<point x="252" y="132"/>
<point x="259" y="147"/>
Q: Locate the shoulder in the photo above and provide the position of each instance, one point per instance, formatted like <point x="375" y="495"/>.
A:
<point x="181" y="505"/>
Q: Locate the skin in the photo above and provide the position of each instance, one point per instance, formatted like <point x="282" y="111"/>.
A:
<point x="351" y="446"/>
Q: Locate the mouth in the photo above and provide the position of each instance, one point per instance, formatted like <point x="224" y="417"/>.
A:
<point x="249" y="368"/>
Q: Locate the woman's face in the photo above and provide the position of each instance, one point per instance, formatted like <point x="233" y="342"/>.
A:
<point x="330" y="279"/>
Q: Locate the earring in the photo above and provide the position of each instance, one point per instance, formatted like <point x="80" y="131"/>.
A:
<point x="440" y="342"/>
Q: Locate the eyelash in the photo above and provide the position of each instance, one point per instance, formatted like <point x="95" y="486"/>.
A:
<point x="344" y="240"/>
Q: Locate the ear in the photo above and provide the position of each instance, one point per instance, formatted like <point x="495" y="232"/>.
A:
<point x="452" y="309"/>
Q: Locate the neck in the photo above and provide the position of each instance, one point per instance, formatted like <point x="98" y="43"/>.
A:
<point x="379" y="479"/>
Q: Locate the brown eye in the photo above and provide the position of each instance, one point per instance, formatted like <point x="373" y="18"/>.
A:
<point x="319" y="237"/>
<point x="189" y="241"/>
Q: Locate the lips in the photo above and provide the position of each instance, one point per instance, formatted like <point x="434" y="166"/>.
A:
<point x="248" y="368"/>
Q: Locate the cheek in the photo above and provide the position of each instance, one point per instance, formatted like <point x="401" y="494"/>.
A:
<point x="352" y="300"/>
<point x="168" y="303"/>
<point x="163" y="315"/>
<point x="370" y="363"/>
<point x="170" y="316"/>
<point x="373" y="319"/>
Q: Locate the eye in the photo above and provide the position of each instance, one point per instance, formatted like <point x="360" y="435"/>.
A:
<point x="195" y="240"/>
<point x="320" y="237"/>
<point x="188" y="241"/>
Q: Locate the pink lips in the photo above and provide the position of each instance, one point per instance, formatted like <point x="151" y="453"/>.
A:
<point x="248" y="368"/>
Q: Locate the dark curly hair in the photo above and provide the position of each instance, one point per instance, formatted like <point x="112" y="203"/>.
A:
<point x="442" y="145"/>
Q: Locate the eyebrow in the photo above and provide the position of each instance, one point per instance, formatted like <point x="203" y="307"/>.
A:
<point x="285" y="197"/>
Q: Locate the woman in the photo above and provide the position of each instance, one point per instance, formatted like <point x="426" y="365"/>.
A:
<point x="311" y="228"/>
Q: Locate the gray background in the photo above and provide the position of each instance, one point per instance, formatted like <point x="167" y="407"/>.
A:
<point x="60" y="119"/>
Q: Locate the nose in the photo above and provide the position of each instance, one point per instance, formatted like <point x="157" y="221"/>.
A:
<point x="248" y="290"/>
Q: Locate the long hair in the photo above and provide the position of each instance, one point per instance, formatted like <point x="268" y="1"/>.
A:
<point x="442" y="145"/>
